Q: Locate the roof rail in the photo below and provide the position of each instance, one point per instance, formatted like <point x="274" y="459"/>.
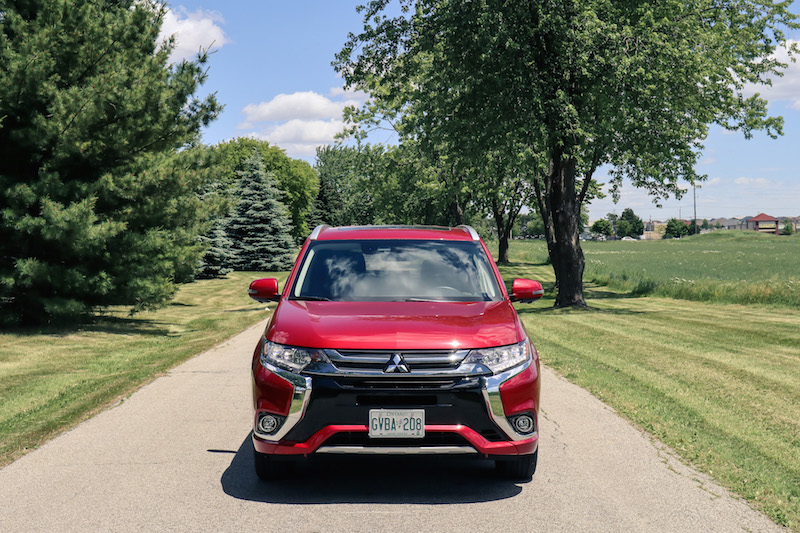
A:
<point x="472" y="232"/>
<point x="315" y="234"/>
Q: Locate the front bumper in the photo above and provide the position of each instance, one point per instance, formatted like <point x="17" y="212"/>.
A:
<point x="463" y="414"/>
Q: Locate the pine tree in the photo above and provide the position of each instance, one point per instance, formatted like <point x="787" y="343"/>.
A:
<point x="260" y="226"/>
<point x="94" y="210"/>
<point x="219" y="256"/>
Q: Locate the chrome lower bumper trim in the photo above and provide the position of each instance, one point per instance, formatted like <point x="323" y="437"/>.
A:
<point x="398" y="450"/>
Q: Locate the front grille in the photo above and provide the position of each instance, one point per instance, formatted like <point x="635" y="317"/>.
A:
<point x="341" y="401"/>
<point x="381" y="383"/>
<point x="416" y="360"/>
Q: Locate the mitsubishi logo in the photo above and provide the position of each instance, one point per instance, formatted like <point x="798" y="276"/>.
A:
<point x="396" y="364"/>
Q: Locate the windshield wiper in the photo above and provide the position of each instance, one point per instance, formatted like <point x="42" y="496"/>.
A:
<point x="311" y="298"/>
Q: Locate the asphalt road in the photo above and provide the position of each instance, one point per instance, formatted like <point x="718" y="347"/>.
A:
<point x="176" y="456"/>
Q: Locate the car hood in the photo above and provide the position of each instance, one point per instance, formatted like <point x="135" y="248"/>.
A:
<point x="395" y="325"/>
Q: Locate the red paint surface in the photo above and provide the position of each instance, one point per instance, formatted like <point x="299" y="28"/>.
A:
<point x="271" y="393"/>
<point x="367" y="233"/>
<point x="395" y="325"/>
<point x="521" y="393"/>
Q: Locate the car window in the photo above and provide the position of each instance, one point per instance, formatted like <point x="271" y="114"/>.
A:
<point x="396" y="270"/>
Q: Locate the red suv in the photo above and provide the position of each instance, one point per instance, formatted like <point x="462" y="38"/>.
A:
<point x="395" y="340"/>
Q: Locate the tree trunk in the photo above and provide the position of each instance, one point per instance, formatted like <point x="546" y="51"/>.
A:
<point x="503" y="221"/>
<point x="566" y="254"/>
<point x="502" y="249"/>
<point x="543" y="200"/>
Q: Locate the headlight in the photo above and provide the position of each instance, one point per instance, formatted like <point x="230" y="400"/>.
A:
<point x="500" y="358"/>
<point x="290" y="358"/>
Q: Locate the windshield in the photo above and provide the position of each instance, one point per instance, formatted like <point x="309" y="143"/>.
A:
<point x="396" y="270"/>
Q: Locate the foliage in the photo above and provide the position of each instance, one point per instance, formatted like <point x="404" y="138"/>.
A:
<point x="259" y="227"/>
<point x="675" y="229"/>
<point x="624" y="228"/>
<point x="527" y="100"/>
<point x="373" y="184"/>
<point x="346" y="179"/>
<point x="603" y="227"/>
<point x="296" y="179"/>
<point x="788" y="228"/>
<point x="219" y="252"/>
<point x="636" y="227"/>
<point x="94" y="211"/>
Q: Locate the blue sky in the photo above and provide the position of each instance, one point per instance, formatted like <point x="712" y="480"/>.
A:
<point x="271" y="67"/>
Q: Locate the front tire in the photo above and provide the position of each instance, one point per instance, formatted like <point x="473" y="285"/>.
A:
<point x="519" y="468"/>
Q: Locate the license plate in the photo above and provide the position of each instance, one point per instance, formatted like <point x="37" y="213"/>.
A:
<point x="409" y="423"/>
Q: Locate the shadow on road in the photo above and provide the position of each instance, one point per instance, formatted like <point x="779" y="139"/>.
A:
<point x="389" y="480"/>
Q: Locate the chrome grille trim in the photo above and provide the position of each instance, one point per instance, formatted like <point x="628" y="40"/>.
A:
<point x="398" y="450"/>
<point x="440" y="358"/>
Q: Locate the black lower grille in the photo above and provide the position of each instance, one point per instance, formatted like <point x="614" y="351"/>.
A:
<point x="385" y="400"/>
<point x="430" y="439"/>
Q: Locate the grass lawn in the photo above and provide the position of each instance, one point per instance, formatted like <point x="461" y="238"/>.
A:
<point x="725" y="266"/>
<point x="50" y="380"/>
<point x="719" y="383"/>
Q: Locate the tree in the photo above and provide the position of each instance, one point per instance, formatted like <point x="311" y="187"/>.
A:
<point x="788" y="227"/>
<point x="705" y="224"/>
<point x="624" y="228"/>
<point x="295" y="178"/>
<point x="603" y="227"/>
<point x="636" y="224"/>
<point x="219" y="253"/>
<point x="675" y="229"/>
<point x="260" y="227"/>
<point x="346" y="194"/>
<point x="526" y="96"/>
<point x="95" y="210"/>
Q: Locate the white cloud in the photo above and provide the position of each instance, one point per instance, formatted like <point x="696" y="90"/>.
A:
<point x="754" y="182"/>
<point x="300" y="138"/>
<point x="193" y="31"/>
<point x="299" y="105"/>
<point x="301" y="121"/>
<point x="784" y="88"/>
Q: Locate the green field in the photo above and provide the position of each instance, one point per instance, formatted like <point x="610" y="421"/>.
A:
<point x="725" y="266"/>
<point x="50" y="380"/>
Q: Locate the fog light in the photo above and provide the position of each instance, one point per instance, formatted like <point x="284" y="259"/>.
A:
<point x="267" y="423"/>
<point x="523" y="424"/>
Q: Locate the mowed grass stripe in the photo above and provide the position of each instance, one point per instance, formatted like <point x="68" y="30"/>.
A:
<point x="677" y="380"/>
<point x="751" y="461"/>
<point x="746" y="350"/>
<point x="689" y="372"/>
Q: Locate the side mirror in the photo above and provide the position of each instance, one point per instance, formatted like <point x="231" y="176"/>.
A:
<point x="264" y="290"/>
<point x="526" y="290"/>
